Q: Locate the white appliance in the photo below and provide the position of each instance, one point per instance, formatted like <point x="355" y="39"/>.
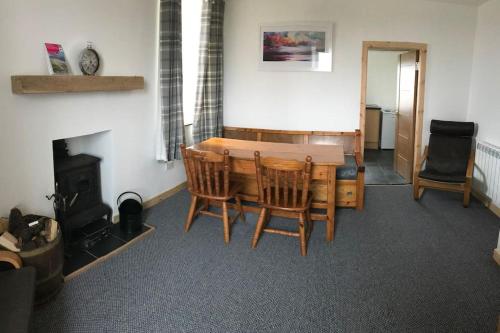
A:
<point x="388" y="135"/>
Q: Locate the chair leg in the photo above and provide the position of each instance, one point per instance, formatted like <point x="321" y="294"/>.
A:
<point x="192" y="209"/>
<point x="467" y="195"/>
<point x="206" y="204"/>
<point x="302" y="232"/>
<point x="269" y="212"/>
<point x="225" y="220"/>
<point x="240" y="208"/>
<point x="259" y="227"/>
<point x="309" y="225"/>
<point x="416" y="189"/>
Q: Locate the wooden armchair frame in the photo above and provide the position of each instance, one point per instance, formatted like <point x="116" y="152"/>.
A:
<point x="419" y="184"/>
<point x="11" y="258"/>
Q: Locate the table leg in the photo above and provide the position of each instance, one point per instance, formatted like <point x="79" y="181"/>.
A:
<point x="330" y="211"/>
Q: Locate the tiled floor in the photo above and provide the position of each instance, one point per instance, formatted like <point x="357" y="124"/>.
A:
<point x="379" y="168"/>
<point x="81" y="257"/>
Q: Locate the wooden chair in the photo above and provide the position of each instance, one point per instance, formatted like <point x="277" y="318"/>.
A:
<point x="208" y="179"/>
<point x="449" y="160"/>
<point x="284" y="185"/>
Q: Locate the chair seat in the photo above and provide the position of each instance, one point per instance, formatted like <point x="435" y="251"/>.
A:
<point x="348" y="171"/>
<point x="440" y="177"/>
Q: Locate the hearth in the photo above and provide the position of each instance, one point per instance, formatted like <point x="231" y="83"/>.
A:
<point x="78" y="199"/>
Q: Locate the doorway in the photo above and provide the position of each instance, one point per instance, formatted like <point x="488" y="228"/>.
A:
<point x="391" y="110"/>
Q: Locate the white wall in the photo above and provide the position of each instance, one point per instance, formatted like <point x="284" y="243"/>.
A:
<point x="484" y="108"/>
<point x="485" y="84"/>
<point x="382" y="79"/>
<point x="124" y="33"/>
<point x="330" y="101"/>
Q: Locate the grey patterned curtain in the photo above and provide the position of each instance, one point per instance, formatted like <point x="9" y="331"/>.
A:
<point x="208" y="108"/>
<point x="172" y="122"/>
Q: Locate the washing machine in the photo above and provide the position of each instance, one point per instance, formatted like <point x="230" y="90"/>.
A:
<point x="388" y="133"/>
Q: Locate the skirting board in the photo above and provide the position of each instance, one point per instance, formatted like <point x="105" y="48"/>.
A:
<point x="163" y="196"/>
<point x="496" y="256"/>
<point x="494" y="208"/>
<point x="157" y="199"/>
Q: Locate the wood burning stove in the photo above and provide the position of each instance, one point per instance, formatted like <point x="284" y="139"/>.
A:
<point x="78" y="198"/>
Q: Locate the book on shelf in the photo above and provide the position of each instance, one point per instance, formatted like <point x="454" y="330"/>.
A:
<point x="56" y="59"/>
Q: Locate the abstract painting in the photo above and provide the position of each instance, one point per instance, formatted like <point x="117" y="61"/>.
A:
<point x="293" y="45"/>
<point x="296" y="47"/>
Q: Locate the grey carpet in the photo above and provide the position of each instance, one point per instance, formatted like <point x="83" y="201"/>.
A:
<point x="397" y="266"/>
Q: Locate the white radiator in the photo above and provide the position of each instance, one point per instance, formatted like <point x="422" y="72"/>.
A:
<point x="487" y="172"/>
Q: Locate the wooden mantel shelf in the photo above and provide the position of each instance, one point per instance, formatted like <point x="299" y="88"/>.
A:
<point x="47" y="84"/>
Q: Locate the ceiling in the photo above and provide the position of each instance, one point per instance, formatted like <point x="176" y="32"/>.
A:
<point x="464" y="2"/>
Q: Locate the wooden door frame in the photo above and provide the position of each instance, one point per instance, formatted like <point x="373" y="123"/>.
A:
<point x="419" y="117"/>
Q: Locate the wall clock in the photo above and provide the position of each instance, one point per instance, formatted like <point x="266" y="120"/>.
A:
<point x="89" y="61"/>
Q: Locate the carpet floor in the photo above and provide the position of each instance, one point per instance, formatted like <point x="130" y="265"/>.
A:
<point x="397" y="266"/>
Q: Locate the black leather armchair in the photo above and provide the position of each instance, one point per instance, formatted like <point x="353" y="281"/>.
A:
<point x="448" y="159"/>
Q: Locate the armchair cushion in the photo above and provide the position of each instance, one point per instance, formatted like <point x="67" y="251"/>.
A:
<point x="452" y="128"/>
<point x="441" y="177"/>
<point x="449" y="149"/>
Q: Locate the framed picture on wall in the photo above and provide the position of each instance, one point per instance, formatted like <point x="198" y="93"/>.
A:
<point x="296" y="47"/>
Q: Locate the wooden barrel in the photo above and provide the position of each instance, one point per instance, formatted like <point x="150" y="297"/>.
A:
<point x="48" y="261"/>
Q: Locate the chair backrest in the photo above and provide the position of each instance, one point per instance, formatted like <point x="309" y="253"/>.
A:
<point x="283" y="183"/>
<point x="207" y="172"/>
<point x="450" y="145"/>
<point x="351" y="141"/>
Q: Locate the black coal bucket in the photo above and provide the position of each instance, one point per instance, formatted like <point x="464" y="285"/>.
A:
<point x="130" y="213"/>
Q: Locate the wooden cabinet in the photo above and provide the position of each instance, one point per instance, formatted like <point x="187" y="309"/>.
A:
<point x="372" y="127"/>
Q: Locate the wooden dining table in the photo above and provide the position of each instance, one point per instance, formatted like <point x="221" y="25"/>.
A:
<point x="325" y="160"/>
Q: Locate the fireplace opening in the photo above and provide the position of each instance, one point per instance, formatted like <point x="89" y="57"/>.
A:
<point x="84" y="200"/>
<point x="79" y="207"/>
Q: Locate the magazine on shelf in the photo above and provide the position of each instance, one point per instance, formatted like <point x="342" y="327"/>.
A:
<point x="56" y="59"/>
